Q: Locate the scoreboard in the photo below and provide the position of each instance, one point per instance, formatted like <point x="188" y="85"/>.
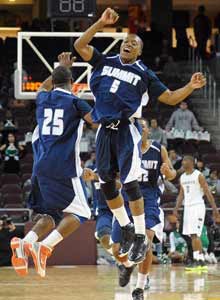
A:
<point x="71" y="8"/>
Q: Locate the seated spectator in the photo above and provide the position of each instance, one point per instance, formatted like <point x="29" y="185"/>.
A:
<point x="170" y="69"/>
<point x="7" y="231"/>
<point x="90" y="163"/>
<point x="178" y="246"/>
<point x="157" y="134"/>
<point x="8" y="125"/>
<point x="88" y="139"/>
<point x="175" y="159"/>
<point x="183" y="119"/>
<point x="213" y="180"/>
<point x="11" y="151"/>
<point x="202" y="168"/>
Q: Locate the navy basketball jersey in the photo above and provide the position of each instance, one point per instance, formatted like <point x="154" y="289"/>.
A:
<point x="57" y="136"/>
<point x="151" y="164"/>
<point x="120" y="90"/>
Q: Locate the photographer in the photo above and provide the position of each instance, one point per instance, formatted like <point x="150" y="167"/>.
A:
<point x="7" y="231"/>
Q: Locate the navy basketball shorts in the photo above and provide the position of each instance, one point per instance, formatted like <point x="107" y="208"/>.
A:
<point x="55" y="197"/>
<point x="104" y="223"/>
<point x="119" y="150"/>
<point x="154" y="218"/>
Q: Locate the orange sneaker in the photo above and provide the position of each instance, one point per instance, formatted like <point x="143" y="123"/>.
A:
<point x="40" y="254"/>
<point x="19" y="258"/>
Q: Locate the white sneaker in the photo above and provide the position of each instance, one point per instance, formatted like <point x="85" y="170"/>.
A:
<point x="208" y="259"/>
<point x="213" y="258"/>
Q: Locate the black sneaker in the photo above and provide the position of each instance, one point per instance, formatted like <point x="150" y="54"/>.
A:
<point x="124" y="274"/>
<point x="139" y="249"/>
<point x="128" y="234"/>
<point x="202" y="265"/>
<point x="194" y="265"/>
<point x="147" y="285"/>
<point x="138" y="294"/>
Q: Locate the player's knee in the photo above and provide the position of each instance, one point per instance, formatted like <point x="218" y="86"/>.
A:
<point x="110" y="190"/>
<point x="133" y="190"/>
<point x="46" y="220"/>
<point x="194" y="236"/>
<point x="105" y="241"/>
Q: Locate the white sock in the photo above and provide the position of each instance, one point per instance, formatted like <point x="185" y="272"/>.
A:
<point x="128" y="264"/>
<point x="31" y="237"/>
<point x="53" y="239"/>
<point x="141" y="281"/>
<point x="196" y="255"/>
<point x="121" y="215"/>
<point x="109" y="251"/>
<point x="201" y="257"/>
<point x="139" y="224"/>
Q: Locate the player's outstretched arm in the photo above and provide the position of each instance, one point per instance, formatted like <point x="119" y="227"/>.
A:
<point x="167" y="169"/>
<point x="179" y="201"/>
<point x="207" y="192"/>
<point x="174" y="97"/>
<point x="82" y="46"/>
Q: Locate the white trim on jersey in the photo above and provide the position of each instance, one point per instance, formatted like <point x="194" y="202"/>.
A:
<point x="135" y="170"/>
<point x="79" y="169"/>
<point x="144" y="102"/>
<point x="158" y="229"/>
<point x="62" y="90"/>
<point x="109" y="57"/>
<point x="154" y="147"/>
<point x="139" y="65"/>
<point x="125" y="64"/>
<point x="35" y="135"/>
<point x="79" y="205"/>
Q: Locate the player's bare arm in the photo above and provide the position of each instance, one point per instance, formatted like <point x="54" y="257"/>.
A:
<point x="174" y="97"/>
<point x="207" y="192"/>
<point x="82" y="46"/>
<point x="89" y="175"/>
<point x="167" y="169"/>
<point x="179" y="201"/>
<point x="65" y="60"/>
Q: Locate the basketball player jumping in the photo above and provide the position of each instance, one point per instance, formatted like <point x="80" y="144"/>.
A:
<point x="155" y="164"/>
<point x="57" y="186"/>
<point x="121" y="85"/>
<point x="193" y="187"/>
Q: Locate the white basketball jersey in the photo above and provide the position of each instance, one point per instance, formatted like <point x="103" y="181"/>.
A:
<point x="193" y="193"/>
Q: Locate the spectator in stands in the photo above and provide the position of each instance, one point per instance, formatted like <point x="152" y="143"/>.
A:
<point x="175" y="159"/>
<point x="183" y="119"/>
<point x="171" y="70"/>
<point x="89" y="137"/>
<point x="178" y="246"/>
<point x="202" y="168"/>
<point x="7" y="231"/>
<point x="156" y="133"/>
<point x="213" y="180"/>
<point x="11" y="151"/>
<point x="202" y="30"/>
<point x="90" y="163"/>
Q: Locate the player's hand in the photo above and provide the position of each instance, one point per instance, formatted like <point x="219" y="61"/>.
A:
<point x="109" y="17"/>
<point x="197" y="81"/>
<point x="66" y="60"/>
<point x="165" y="170"/>
<point x="88" y="174"/>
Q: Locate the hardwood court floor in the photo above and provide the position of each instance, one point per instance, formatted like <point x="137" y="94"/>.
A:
<point x="100" y="283"/>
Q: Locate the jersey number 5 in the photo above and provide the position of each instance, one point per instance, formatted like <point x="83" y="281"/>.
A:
<point x="115" y="86"/>
<point x="53" y="122"/>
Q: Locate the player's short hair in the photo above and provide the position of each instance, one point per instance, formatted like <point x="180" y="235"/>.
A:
<point x="61" y="75"/>
<point x="189" y="157"/>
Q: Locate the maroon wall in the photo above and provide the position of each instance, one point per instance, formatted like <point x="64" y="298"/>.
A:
<point x="78" y="249"/>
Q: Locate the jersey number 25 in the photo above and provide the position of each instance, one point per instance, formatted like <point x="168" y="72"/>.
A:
<point x="53" y="122"/>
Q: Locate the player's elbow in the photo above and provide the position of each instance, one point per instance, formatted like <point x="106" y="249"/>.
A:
<point x="77" y="45"/>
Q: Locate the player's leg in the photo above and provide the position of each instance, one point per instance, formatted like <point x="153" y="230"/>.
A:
<point x="44" y="223"/>
<point x="72" y="193"/>
<point x="104" y="229"/>
<point x="107" y="166"/>
<point x="129" y="157"/>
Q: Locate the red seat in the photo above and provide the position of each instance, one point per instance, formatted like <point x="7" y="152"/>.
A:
<point x="211" y="158"/>
<point x="214" y="166"/>
<point x="26" y="168"/>
<point x="15" y="199"/>
<point x="11" y="189"/>
<point x="10" y="179"/>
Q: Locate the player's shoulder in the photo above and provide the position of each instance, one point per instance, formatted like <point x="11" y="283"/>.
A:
<point x="156" y="146"/>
